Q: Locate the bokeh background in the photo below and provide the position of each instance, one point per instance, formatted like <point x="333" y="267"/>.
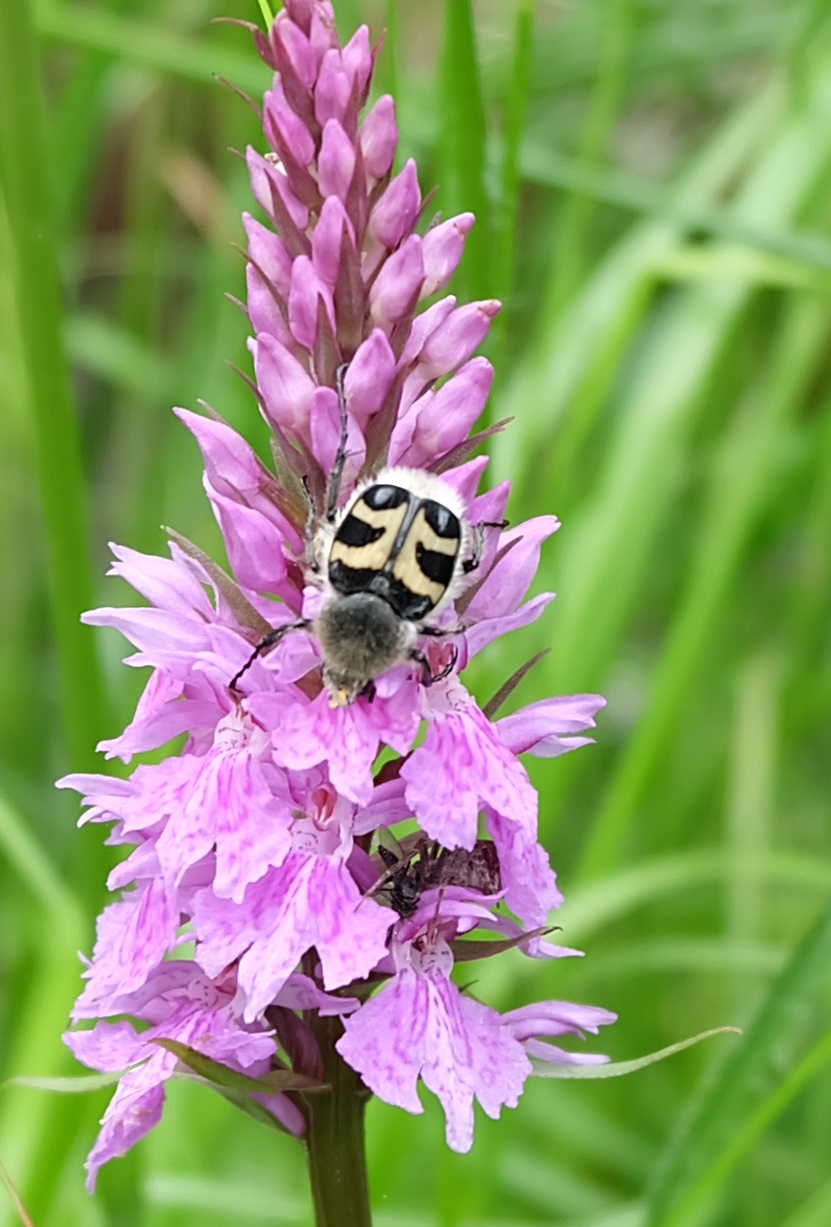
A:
<point x="652" y="184"/>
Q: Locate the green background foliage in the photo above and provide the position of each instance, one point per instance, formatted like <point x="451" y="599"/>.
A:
<point x="651" y="179"/>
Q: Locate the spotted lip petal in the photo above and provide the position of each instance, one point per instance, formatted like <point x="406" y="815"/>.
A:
<point x="420" y="1026"/>
<point x="309" y="901"/>
<point x="461" y="766"/>
<point x="199" y="1017"/>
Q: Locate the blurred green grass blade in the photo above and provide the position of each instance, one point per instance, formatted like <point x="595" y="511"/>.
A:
<point x="807" y="612"/>
<point x="14" y="1197"/>
<point x="815" y="1211"/>
<point x="561" y="361"/>
<point x="751" y="1129"/>
<point x="33" y="867"/>
<point x="722" y="261"/>
<point x="242" y="1202"/>
<point x="23" y="158"/>
<point x="549" y="1186"/>
<point x="732" y="1090"/>
<point x="567" y="57"/>
<point x="741" y="488"/>
<point x="38" y="1131"/>
<point x="105" y="349"/>
<point x="756" y="746"/>
<point x="462" y="155"/>
<point x="266" y="12"/>
<point x="580" y="1129"/>
<point x="120" y="1188"/>
<point x="573" y="234"/>
<point x="613" y="187"/>
<point x="612" y="545"/>
<point x="505" y="213"/>
<point x="34" y="1135"/>
<point x="631" y="1216"/>
<point x="386" y="77"/>
<point x="34" y="1138"/>
<point x="81" y="1084"/>
<point x="595" y="905"/>
<point x="76" y="130"/>
<point x="671" y="955"/>
<point x="155" y="48"/>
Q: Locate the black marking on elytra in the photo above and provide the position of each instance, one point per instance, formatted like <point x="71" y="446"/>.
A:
<point x="356" y="532"/>
<point x="442" y="520"/>
<point x="436" y="566"/>
<point x="384" y="498"/>
<point x="351" y="580"/>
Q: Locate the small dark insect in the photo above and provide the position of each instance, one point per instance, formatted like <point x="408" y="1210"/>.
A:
<point x="477" y="869"/>
<point x="402" y="888"/>
<point x="427" y="865"/>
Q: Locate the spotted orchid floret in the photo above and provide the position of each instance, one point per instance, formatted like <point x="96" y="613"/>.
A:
<point x="254" y="900"/>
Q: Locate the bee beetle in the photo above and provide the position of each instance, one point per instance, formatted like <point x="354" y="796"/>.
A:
<point x="388" y="562"/>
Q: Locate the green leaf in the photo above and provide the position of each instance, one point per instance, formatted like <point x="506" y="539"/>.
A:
<point x="66" y="1086"/>
<point x="467" y="951"/>
<point x="273" y="1083"/>
<point x="251" y="1107"/>
<point x="616" y="1069"/>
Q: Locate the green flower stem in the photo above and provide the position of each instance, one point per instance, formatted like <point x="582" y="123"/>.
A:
<point x="23" y="171"/>
<point x="335" y="1138"/>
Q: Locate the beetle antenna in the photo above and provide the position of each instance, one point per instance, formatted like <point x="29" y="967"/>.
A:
<point x="269" y="642"/>
<point x="335" y="476"/>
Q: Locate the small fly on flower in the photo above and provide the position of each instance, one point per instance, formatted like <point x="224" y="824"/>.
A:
<point x="427" y="865"/>
<point x="388" y="562"/>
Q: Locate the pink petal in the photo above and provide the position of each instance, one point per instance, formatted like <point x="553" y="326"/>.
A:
<point x="538" y="728"/>
<point x="284" y="127"/>
<point x="379" y="137"/>
<point x="308" y="291"/>
<point x="443" y="248"/>
<point x="396" y="288"/>
<point x="444" y="418"/>
<point x="287" y="388"/>
<point x="369" y="376"/>
<point x="487" y="630"/>
<point x="309" y="901"/>
<point x="255" y="543"/>
<point x="133" y="936"/>
<point x="528" y="880"/>
<point x="446" y="348"/>
<point x="420" y="1025"/>
<point x="269" y="254"/>
<point x="333" y="91"/>
<point x="357" y="57"/>
<point x="336" y="161"/>
<point x="325" y="429"/>
<point x="395" y="213"/>
<point x="328" y="237"/>
<point x="510" y="579"/>
<point x="462" y="765"/>
<point x="298" y="49"/>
